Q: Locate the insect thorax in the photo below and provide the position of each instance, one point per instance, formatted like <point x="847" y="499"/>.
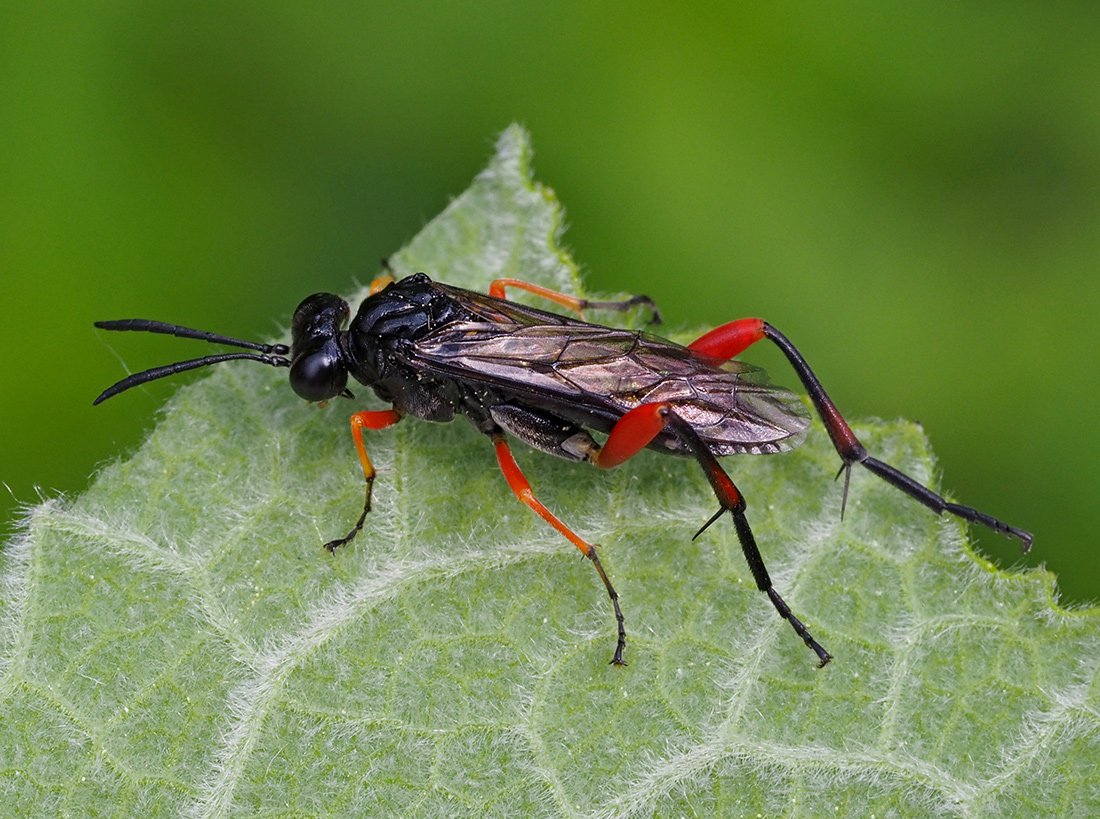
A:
<point x="401" y="314"/>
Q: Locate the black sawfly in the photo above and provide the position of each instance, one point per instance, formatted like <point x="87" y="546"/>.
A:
<point x="433" y="351"/>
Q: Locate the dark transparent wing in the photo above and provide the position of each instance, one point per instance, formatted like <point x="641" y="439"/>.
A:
<point x="600" y="373"/>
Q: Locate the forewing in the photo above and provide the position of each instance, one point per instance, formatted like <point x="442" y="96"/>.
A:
<point x="603" y="373"/>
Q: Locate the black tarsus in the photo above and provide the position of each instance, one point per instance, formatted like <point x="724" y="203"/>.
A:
<point x="620" y="645"/>
<point x="897" y="478"/>
<point x="736" y="507"/>
<point x="333" y="545"/>
<point x="852" y="451"/>
<point x="624" y="305"/>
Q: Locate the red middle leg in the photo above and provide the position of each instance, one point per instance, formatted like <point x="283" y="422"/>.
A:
<point x="521" y="487"/>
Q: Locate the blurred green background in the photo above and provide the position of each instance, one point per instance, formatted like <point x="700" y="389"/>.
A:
<point x="912" y="193"/>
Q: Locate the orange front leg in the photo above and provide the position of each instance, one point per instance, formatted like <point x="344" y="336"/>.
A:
<point x="359" y="421"/>
<point x="381" y="282"/>
<point x="497" y="289"/>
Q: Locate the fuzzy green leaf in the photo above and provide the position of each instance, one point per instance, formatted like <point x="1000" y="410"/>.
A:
<point x="176" y="640"/>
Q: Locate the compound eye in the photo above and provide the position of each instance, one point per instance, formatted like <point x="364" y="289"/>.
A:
<point x="318" y="376"/>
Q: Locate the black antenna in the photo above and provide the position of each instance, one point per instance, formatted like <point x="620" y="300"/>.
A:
<point x="150" y="326"/>
<point x="274" y="355"/>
